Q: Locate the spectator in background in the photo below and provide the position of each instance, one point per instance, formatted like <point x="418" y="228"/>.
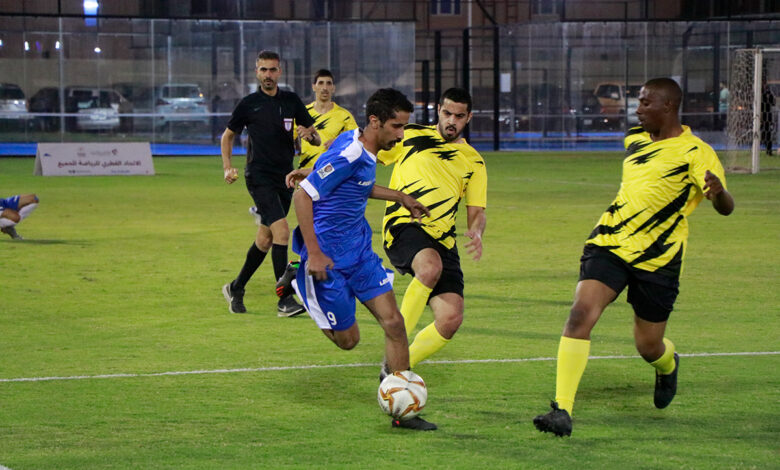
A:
<point x="767" y="119"/>
<point x="723" y="103"/>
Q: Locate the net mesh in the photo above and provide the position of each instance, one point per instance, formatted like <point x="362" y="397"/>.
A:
<point x="748" y="140"/>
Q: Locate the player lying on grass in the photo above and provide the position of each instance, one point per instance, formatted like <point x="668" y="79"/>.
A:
<point x="13" y="210"/>
<point x="333" y="237"/>
<point x="639" y="242"/>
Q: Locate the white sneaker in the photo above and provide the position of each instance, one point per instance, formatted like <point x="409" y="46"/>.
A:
<point x="253" y="212"/>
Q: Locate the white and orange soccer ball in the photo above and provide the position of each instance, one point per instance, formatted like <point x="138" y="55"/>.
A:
<point x="402" y="395"/>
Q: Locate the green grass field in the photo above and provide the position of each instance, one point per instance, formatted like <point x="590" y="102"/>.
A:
<point x="115" y="297"/>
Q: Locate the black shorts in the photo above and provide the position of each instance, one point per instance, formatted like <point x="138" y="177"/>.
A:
<point x="408" y="240"/>
<point x="272" y="198"/>
<point x="651" y="294"/>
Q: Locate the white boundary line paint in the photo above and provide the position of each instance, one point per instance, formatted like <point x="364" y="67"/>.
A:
<point x="338" y="366"/>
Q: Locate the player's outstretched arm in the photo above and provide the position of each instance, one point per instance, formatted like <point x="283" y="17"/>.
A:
<point x="415" y="207"/>
<point x="296" y="176"/>
<point x="477" y="221"/>
<point x="226" y="147"/>
<point x="318" y="263"/>
<point x="715" y="192"/>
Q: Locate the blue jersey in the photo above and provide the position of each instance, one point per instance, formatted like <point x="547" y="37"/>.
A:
<point x="339" y="186"/>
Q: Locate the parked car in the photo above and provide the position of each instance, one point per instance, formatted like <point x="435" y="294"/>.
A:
<point x="96" y="108"/>
<point x="13" y="106"/>
<point x="173" y="103"/>
<point x="617" y="99"/>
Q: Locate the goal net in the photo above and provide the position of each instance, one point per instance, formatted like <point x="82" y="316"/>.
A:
<point x="752" y="116"/>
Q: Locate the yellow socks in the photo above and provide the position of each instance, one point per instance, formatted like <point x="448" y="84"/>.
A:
<point x="427" y="342"/>
<point x="665" y="364"/>
<point x="572" y="359"/>
<point x="413" y="304"/>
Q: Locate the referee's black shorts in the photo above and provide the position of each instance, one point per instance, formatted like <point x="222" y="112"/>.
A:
<point x="272" y="198"/>
<point x="651" y="294"/>
<point x="408" y="240"/>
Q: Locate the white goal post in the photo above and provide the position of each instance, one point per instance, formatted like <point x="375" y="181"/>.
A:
<point x="749" y="123"/>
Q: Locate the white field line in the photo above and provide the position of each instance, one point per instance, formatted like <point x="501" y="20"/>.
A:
<point x="337" y="366"/>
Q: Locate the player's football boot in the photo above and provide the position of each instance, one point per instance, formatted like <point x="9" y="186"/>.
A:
<point x="253" y="212"/>
<point x="416" y="423"/>
<point x="384" y="371"/>
<point x="284" y="286"/>
<point x="288" y="307"/>
<point x="666" y="385"/>
<point x="235" y="298"/>
<point x="556" y="421"/>
<point x="11" y="232"/>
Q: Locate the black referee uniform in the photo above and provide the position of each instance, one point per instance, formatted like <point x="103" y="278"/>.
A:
<point x="270" y="121"/>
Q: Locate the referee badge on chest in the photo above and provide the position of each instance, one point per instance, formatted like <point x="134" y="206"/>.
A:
<point x="288" y="124"/>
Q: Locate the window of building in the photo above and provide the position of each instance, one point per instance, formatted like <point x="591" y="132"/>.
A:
<point x="445" y="7"/>
<point x="545" y="7"/>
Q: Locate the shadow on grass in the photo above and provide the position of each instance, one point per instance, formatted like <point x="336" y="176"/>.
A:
<point x="28" y="241"/>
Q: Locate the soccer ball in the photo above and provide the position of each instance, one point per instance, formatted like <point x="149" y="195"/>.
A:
<point x="402" y="395"/>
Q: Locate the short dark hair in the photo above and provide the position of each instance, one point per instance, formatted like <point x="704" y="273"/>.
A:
<point x="668" y="87"/>
<point x="385" y="103"/>
<point x="457" y="95"/>
<point x="322" y="73"/>
<point x="268" y="55"/>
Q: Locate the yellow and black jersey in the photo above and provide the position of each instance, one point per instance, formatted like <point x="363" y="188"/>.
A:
<point x="646" y="225"/>
<point x="438" y="174"/>
<point x="329" y="125"/>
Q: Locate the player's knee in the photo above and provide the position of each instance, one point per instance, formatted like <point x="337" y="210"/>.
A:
<point x="347" y="342"/>
<point x="394" y="326"/>
<point x="281" y="236"/>
<point x="650" y="350"/>
<point x="11" y="215"/>
<point x="263" y="241"/>
<point x="429" y="272"/>
<point x="448" y="325"/>
<point x="580" y="321"/>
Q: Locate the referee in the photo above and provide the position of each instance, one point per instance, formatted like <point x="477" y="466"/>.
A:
<point x="269" y="115"/>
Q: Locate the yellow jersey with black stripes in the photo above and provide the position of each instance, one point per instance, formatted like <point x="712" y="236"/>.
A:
<point x="438" y="174"/>
<point x="329" y="125"/>
<point x="647" y="223"/>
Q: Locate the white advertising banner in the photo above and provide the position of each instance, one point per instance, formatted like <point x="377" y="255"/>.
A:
<point x="94" y="159"/>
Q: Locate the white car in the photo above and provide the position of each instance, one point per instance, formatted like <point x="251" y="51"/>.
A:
<point x="96" y="108"/>
<point x="13" y="104"/>
<point x="180" y="102"/>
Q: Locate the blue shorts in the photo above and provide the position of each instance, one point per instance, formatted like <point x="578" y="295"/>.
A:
<point x="331" y="303"/>
<point x="10" y="203"/>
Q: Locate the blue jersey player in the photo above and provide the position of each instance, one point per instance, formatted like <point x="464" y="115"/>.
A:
<point x="333" y="238"/>
<point x="13" y="210"/>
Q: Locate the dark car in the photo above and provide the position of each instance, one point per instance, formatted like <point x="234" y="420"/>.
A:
<point x="94" y="108"/>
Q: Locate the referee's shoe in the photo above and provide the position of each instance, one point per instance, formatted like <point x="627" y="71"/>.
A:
<point x="556" y="421"/>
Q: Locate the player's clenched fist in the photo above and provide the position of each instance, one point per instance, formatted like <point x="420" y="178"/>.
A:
<point x="231" y="175"/>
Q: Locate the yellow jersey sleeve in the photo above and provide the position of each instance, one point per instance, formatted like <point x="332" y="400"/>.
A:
<point x="476" y="189"/>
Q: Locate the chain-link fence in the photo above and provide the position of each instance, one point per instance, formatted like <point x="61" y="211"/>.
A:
<point x="177" y="80"/>
<point x="575" y="85"/>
